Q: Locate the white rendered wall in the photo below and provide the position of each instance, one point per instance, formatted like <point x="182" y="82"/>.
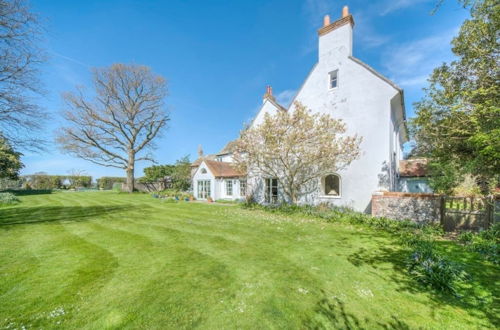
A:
<point x="267" y="107"/>
<point x="228" y="158"/>
<point x="236" y="189"/>
<point x="363" y="101"/>
<point x="204" y="176"/>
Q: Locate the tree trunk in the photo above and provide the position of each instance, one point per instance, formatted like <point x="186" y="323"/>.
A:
<point x="130" y="172"/>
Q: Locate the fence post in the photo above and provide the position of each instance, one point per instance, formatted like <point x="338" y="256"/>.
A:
<point x="442" y="205"/>
<point x="490" y="210"/>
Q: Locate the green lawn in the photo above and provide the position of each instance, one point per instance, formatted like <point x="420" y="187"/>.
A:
<point x="108" y="260"/>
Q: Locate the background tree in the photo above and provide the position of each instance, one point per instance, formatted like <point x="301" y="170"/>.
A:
<point x="458" y="120"/>
<point x="297" y="147"/>
<point x="121" y="121"/>
<point x="10" y="161"/>
<point x="78" y="178"/>
<point x="157" y="172"/>
<point x="181" y="175"/>
<point x="20" y="117"/>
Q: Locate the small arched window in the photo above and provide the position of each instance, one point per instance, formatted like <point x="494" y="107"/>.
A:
<point x="331" y="185"/>
<point x="203" y="171"/>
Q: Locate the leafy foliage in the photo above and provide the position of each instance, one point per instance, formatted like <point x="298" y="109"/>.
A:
<point x="173" y="194"/>
<point x="156" y="172"/>
<point x="485" y="243"/>
<point x="297" y="147"/>
<point x="10" y="160"/>
<point x="178" y="173"/>
<point x="47" y="182"/>
<point x="181" y="175"/>
<point x="117" y="187"/>
<point x="7" y="198"/>
<point x="458" y="121"/>
<point x="106" y="182"/>
<point x="433" y="269"/>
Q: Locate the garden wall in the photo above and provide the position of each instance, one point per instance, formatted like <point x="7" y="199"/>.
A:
<point x="421" y="208"/>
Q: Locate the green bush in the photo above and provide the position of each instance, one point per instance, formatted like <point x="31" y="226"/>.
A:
<point x="432" y="269"/>
<point x="106" y="182"/>
<point x="117" y="187"/>
<point x="173" y="193"/>
<point x="485" y="243"/>
<point x="7" y="198"/>
<point x="465" y="237"/>
<point x="44" y="182"/>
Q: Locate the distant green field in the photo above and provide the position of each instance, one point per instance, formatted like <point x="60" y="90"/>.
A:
<point x="108" y="260"/>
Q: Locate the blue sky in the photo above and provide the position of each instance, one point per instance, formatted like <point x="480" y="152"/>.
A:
<point x="218" y="56"/>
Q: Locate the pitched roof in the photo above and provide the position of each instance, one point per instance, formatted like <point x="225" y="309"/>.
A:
<point x="223" y="169"/>
<point x="276" y="104"/>
<point x="413" y="167"/>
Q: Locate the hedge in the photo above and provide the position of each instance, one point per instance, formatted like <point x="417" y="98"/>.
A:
<point x="106" y="182"/>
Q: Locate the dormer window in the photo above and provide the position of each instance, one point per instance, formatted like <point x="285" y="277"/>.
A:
<point x="333" y="79"/>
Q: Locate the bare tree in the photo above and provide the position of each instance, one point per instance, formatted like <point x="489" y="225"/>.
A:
<point x="120" y="121"/>
<point x="20" y="116"/>
<point x="297" y="147"/>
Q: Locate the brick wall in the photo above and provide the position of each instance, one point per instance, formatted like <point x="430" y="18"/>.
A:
<point x="421" y="208"/>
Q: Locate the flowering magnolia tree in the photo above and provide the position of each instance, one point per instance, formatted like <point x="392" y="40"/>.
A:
<point x="298" y="147"/>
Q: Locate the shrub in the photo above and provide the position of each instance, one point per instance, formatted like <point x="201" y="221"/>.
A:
<point x="434" y="270"/>
<point x="7" y="198"/>
<point x="106" y="182"/>
<point x="485" y="243"/>
<point x="465" y="237"/>
<point x="44" y="181"/>
<point x="117" y="186"/>
<point x="176" y="194"/>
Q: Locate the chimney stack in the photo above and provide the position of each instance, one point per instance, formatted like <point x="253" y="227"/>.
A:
<point x="269" y="93"/>
<point x="336" y="35"/>
<point x="326" y="20"/>
<point x="345" y="11"/>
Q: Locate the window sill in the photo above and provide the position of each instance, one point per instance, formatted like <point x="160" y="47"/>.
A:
<point x="330" y="197"/>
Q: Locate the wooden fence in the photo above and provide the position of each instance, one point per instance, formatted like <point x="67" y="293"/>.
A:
<point x="467" y="212"/>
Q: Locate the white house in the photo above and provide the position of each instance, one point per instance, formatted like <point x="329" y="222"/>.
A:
<point x="371" y="106"/>
<point x="218" y="180"/>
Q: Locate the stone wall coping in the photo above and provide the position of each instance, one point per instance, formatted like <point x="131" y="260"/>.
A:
<point x="394" y="194"/>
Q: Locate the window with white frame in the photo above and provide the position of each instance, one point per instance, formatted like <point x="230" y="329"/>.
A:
<point x="333" y="79"/>
<point x="229" y="187"/>
<point x="271" y="191"/>
<point x="203" y="189"/>
<point x="243" y="188"/>
<point x="331" y="185"/>
<point x="203" y="171"/>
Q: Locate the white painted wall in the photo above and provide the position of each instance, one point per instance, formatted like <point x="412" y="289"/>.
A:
<point x="267" y="107"/>
<point x="367" y="104"/>
<point x="228" y="158"/>
<point x="198" y="175"/>
<point x="217" y="185"/>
